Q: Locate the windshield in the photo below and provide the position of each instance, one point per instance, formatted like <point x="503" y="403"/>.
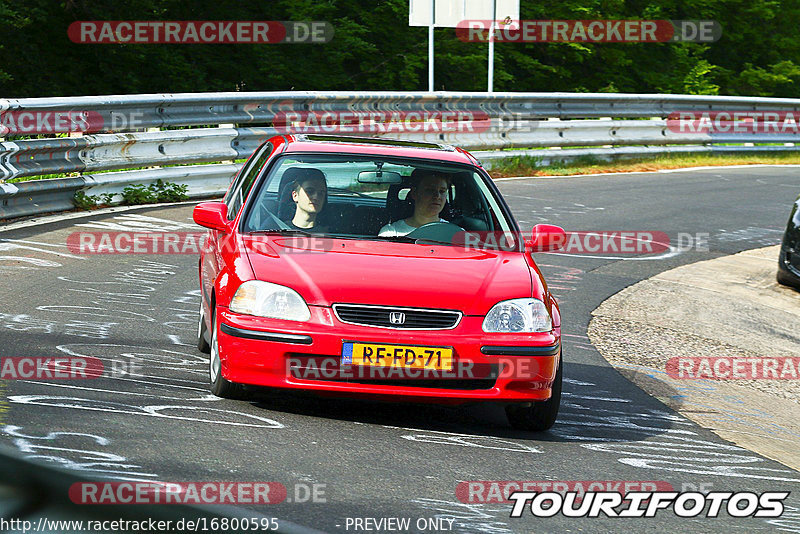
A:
<point x="378" y="198"/>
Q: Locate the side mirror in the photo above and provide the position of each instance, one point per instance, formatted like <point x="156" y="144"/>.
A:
<point x="212" y="215"/>
<point x="546" y="238"/>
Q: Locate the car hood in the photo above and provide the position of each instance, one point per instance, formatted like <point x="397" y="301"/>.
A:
<point x="327" y="271"/>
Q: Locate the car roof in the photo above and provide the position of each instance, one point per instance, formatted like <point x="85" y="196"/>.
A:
<point x="376" y="146"/>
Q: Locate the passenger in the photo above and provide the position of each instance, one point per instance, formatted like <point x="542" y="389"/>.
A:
<point x="429" y="193"/>
<point x="309" y="193"/>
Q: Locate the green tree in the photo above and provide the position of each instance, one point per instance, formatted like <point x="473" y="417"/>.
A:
<point x="375" y="49"/>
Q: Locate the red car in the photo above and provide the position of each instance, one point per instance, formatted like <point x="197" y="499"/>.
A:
<point x="377" y="268"/>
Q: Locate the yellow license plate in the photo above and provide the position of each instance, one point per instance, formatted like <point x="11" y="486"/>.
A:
<point x="399" y="356"/>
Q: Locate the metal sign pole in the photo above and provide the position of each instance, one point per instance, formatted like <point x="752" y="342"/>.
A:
<point x="453" y="14"/>
<point x="430" y="46"/>
<point x="491" y="47"/>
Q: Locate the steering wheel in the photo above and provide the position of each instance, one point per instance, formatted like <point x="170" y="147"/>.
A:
<point x="262" y="220"/>
<point x="436" y="231"/>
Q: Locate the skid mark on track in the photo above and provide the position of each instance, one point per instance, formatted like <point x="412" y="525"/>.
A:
<point x="457" y="439"/>
<point x="94" y="311"/>
<point x="208" y="397"/>
<point x="561" y="278"/>
<point x="77" y="451"/>
<point x="155" y="358"/>
<point x="138" y="223"/>
<point x="481" y="442"/>
<point x="215" y="416"/>
<point x="26" y="257"/>
<point x="145" y="275"/>
<point x="656" y="440"/>
<point x="789" y="521"/>
<point x="577" y="341"/>
<point x="468" y="518"/>
<point x="754" y="235"/>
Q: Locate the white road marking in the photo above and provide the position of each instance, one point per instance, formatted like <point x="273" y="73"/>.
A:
<point x="151" y="411"/>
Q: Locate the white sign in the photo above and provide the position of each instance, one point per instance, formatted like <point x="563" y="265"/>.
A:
<point x="448" y="13"/>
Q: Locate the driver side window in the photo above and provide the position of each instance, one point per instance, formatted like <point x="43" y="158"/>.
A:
<point x="247" y="178"/>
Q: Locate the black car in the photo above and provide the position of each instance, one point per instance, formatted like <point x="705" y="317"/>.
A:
<point x="789" y="260"/>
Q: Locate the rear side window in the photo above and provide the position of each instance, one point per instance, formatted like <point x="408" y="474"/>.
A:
<point x="246" y="179"/>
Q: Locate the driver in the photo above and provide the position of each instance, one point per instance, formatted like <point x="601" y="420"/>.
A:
<point x="429" y="193"/>
<point x="309" y="193"/>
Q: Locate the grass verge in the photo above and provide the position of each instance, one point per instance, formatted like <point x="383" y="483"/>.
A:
<point x="531" y="166"/>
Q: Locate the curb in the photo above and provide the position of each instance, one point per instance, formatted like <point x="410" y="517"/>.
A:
<point x="729" y="307"/>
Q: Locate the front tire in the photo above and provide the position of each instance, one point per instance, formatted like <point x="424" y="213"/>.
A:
<point x="219" y="385"/>
<point x="784" y="276"/>
<point x="786" y="280"/>
<point x="541" y="415"/>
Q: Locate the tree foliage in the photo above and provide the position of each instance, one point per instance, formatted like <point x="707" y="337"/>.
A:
<point x="375" y="49"/>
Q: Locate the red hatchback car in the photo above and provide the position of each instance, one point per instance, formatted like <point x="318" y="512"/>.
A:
<point x="378" y="268"/>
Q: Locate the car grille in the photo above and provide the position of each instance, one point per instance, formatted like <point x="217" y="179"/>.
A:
<point x="394" y="317"/>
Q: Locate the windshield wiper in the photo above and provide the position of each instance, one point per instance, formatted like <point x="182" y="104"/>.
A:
<point x="426" y="241"/>
<point x="395" y="238"/>
<point x="303" y="233"/>
<point x="282" y="231"/>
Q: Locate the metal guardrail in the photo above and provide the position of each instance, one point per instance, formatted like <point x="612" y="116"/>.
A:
<point x="192" y="109"/>
<point x="124" y="150"/>
<point x="516" y="120"/>
<point x="38" y="196"/>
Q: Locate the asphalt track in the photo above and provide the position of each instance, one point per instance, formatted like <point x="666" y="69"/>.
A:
<point x="380" y="460"/>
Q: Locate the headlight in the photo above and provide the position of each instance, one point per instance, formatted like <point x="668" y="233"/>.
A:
<point x="270" y="300"/>
<point x="518" y="315"/>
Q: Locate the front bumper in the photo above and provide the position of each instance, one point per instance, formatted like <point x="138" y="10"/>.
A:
<point x="789" y="265"/>
<point x="307" y="356"/>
